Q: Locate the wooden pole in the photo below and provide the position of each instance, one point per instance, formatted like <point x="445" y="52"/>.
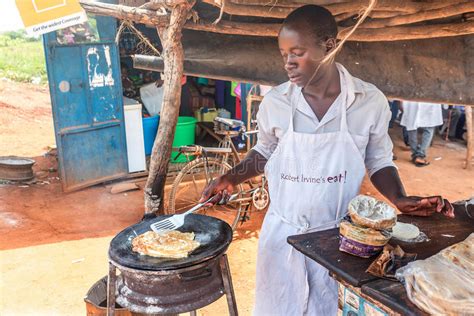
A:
<point x="173" y="56"/>
<point x="470" y="136"/>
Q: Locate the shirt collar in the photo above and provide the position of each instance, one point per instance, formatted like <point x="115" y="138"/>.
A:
<point x="347" y="96"/>
<point x="353" y="85"/>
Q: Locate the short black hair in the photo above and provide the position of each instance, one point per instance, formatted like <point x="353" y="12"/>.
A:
<point x="316" y="20"/>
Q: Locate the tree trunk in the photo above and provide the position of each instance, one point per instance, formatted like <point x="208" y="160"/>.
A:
<point x="173" y="56"/>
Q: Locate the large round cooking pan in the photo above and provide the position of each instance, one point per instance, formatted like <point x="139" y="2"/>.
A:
<point x="213" y="234"/>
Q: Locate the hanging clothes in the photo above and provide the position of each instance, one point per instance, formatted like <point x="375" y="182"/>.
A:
<point x="233" y="85"/>
<point x="202" y="81"/>
<point x="220" y="93"/>
<point x="238" y="109"/>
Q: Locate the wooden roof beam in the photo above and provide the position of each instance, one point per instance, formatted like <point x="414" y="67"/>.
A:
<point x="275" y="9"/>
<point x="420" y="16"/>
<point x="122" y="12"/>
<point x="269" y="11"/>
<point x="399" y="33"/>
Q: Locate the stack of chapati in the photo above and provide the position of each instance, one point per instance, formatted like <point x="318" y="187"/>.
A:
<point x="367" y="230"/>
<point x="444" y="283"/>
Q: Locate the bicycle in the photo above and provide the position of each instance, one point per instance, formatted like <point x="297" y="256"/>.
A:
<point x="206" y="163"/>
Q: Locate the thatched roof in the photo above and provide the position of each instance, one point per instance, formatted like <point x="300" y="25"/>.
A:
<point x="390" y="19"/>
<point x="419" y="50"/>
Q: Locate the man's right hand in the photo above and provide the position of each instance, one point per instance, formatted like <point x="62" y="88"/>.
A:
<point x="220" y="187"/>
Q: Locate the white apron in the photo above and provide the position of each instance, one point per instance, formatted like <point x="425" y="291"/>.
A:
<point x="311" y="178"/>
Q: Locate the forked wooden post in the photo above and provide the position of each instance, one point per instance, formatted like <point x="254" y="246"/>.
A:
<point x="469" y="138"/>
<point x="169" y="27"/>
<point x="173" y="56"/>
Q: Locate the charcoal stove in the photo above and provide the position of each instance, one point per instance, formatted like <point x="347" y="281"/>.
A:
<point x="160" y="286"/>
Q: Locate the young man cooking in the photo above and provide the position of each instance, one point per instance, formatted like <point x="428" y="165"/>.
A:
<point x="318" y="134"/>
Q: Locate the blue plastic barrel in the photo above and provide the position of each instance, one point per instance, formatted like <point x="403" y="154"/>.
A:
<point x="150" y="127"/>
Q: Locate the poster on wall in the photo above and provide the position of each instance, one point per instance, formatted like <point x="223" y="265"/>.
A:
<point x="43" y="16"/>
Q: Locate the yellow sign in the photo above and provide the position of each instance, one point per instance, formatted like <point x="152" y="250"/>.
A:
<point x="43" y="16"/>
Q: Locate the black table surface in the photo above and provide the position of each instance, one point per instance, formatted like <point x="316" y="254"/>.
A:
<point x="323" y="247"/>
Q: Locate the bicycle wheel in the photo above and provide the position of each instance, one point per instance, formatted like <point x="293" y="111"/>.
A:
<point x="191" y="181"/>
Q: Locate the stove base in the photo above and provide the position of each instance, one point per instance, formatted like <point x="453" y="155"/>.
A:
<point x="171" y="292"/>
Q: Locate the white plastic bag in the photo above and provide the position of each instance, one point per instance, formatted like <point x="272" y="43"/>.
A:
<point x="152" y="98"/>
<point x="443" y="284"/>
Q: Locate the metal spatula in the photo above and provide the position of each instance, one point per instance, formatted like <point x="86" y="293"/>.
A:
<point x="176" y="221"/>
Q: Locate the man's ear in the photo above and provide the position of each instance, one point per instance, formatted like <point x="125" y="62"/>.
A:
<point x="331" y="44"/>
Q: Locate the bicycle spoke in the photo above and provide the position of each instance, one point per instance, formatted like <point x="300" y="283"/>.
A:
<point x="207" y="174"/>
<point x="186" y="193"/>
<point x="188" y="200"/>
<point x="196" y="190"/>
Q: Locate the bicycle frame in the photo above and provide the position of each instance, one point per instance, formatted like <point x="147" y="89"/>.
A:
<point x="227" y="148"/>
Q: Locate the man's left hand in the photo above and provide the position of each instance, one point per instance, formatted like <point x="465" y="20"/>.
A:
<point x="424" y="206"/>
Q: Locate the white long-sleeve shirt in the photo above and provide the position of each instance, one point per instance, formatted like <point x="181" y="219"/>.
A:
<point x="368" y="115"/>
<point x="421" y="114"/>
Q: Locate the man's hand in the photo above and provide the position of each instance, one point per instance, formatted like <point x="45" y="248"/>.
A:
<point x="424" y="206"/>
<point x="220" y="187"/>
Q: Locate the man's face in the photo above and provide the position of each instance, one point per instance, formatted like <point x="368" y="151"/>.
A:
<point x="301" y="55"/>
<point x="124" y="72"/>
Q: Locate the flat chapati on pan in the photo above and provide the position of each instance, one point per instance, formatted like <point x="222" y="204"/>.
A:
<point x="404" y="231"/>
<point x="173" y="244"/>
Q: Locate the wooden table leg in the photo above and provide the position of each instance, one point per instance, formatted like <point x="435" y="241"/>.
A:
<point x="228" y="288"/>
<point x="111" y="290"/>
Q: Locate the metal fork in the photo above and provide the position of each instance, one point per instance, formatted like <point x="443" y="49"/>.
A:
<point x="176" y="221"/>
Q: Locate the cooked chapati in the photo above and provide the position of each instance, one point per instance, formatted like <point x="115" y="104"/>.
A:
<point x="173" y="244"/>
<point x="444" y="283"/>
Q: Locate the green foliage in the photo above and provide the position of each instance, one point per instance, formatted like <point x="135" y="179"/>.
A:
<point x="22" y="57"/>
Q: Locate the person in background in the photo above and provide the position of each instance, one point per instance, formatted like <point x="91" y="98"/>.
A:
<point x="129" y="89"/>
<point x="461" y="125"/>
<point x="452" y="114"/>
<point x="424" y="117"/>
<point x="394" y="108"/>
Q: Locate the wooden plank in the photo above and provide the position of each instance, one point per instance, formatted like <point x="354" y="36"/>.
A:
<point x="323" y="247"/>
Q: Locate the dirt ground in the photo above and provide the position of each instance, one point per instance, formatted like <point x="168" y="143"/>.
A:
<point x="54" y="245"/>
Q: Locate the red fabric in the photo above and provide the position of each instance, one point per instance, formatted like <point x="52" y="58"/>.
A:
<point x="238" y="109"/>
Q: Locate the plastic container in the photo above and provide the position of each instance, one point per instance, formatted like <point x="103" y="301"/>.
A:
<point x="185" y="135"/>
<point x="209" y="115"/>
<point x="150" y="127"/>
<point x="205" y="114"/>
<point x="223" y="113"/>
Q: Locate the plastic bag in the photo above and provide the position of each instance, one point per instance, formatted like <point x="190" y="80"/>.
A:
<point x="152" y="98"/>
<point x="444" y="283"/>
